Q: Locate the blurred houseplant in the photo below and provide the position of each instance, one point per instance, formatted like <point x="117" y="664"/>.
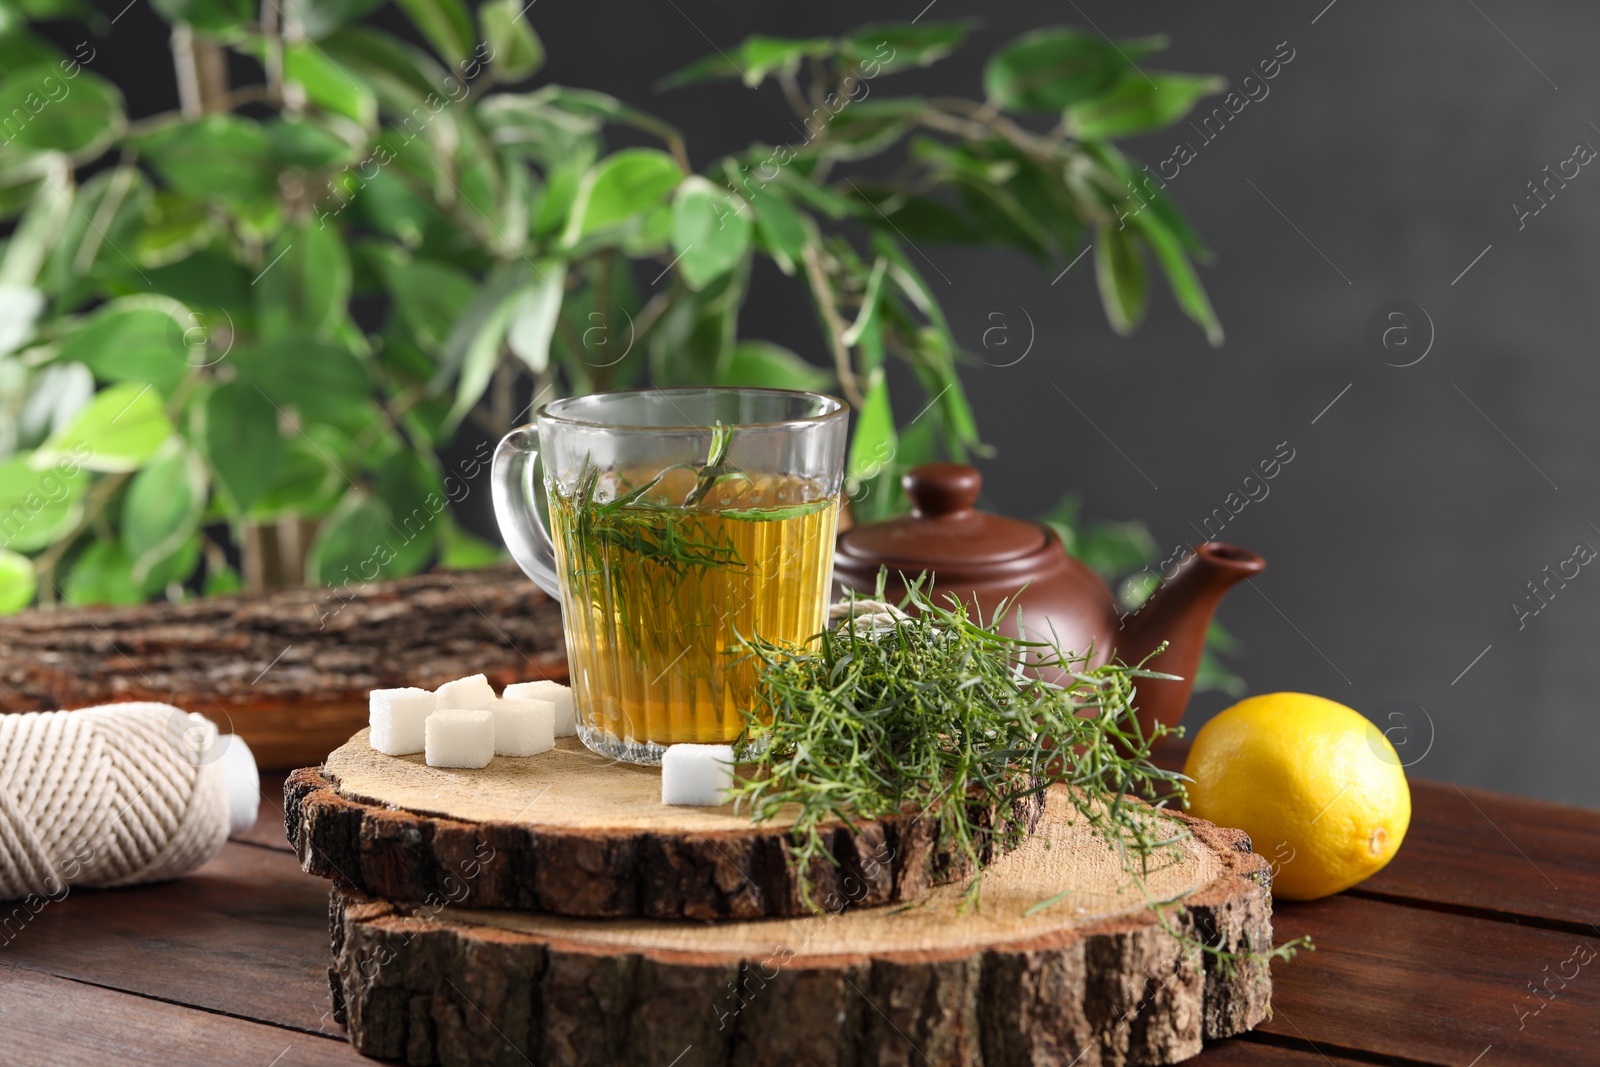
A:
<point x="240" y="332"/>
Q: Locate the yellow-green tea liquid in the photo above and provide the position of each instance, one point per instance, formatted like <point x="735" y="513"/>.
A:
<point x="656" y="600"/>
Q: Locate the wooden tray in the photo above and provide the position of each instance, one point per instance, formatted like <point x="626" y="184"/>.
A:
<point x="573" y="833"/>
<point x="1092" y="978"/>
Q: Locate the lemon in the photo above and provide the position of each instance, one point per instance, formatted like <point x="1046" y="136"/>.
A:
<point x="1317" y="787"/>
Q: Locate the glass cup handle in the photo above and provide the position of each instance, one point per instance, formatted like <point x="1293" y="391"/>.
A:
<point x="516" y="508"/>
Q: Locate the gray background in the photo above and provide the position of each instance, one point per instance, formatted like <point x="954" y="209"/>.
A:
<point x="1382" y="163"/>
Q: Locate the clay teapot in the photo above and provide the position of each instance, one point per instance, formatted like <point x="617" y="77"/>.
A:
<point x="984" y="558"/>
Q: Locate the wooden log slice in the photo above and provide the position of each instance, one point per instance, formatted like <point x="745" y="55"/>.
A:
<point x="288" y="670"/>
<point x="1091" y="979"/>
<point x="573" y="833"/>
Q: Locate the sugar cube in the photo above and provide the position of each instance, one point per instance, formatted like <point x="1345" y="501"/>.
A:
<point x="396" y="717"/>
<point x="523" y="727"/>
<point x="460" y="737"/>
<point x="473" y="691"/>
<point x="696" y="774"/>
<point x="556" y="693"/>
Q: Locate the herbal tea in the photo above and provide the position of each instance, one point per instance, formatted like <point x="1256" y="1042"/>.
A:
<point x="663" y="575"/>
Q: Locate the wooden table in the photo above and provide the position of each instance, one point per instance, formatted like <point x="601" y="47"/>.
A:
<point x="1477" y="946"/>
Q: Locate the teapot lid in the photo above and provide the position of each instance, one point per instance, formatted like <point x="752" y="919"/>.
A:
<point x="943" y="529"/>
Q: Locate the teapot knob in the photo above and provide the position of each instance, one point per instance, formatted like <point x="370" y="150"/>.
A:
<point x="939" y="489"/>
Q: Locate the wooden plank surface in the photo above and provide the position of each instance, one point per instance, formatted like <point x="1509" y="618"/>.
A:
<point x="1436" y="987"/>
<point x="50" y="1021"/>
<point x="246" y="935"/>
<point x="1498" y="854"/>
<point x="1428" y="963"/>
<point x="1251" y="1052"/>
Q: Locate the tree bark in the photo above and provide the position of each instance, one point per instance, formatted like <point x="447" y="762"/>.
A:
<point x="289" y="670"/>
<point x="601" y="868"/>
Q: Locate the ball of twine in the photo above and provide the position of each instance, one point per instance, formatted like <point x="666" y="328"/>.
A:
<point x="107" y="796"/>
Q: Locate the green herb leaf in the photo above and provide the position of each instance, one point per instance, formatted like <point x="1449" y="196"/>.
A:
<point x="939" y="713"/>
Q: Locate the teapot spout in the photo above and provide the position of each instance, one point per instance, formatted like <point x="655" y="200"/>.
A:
<point x="1179" y="614"/>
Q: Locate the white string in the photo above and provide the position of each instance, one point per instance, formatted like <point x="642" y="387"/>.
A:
<point x="106" y="796"/>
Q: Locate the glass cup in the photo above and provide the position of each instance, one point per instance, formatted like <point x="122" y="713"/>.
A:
<point x="683" y="522"/>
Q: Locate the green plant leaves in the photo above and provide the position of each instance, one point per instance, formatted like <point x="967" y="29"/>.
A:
<point x="622" y="186"/>
<point x="902" y="45"/>
<point x="219" y="157"/>
<point x="445" y="23"/>
<point x="103" y="574"/>
<point x="710" y="231"/>
<point x="18" y="583"/>
<point x="1048" y="70"/>
<point x="320" y="380"/>
<point x="427" y="298"/>
<point x="327" y="86"/>
<point x="755" y="58"/>
<point x="361" y="542"/>
<point x="315" y="19"/>
<point x="239" y="431"/>
<point x="1186" y="287"/>
<point x="38" y="506"/>
<point x="162" y="509"/>
<point x="48" y="111"/>
<point x="781" y="228"/>
<point x="305" y="286"/>
<point x="473" y="347"/>
<point x="120" y="429"/>
<point x="213" y="16"/>
<point x="762" y="364"/>
<point x="872" y="446"/>
<point x="135" y="339"/>
<point x="517" y="50"/>
<point x="1120" y="274"/>
<point x="534" y="315"/>
<point x="1140" y="103"/>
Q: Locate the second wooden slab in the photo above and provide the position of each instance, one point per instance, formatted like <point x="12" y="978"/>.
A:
<point x="1064" y="962"/>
